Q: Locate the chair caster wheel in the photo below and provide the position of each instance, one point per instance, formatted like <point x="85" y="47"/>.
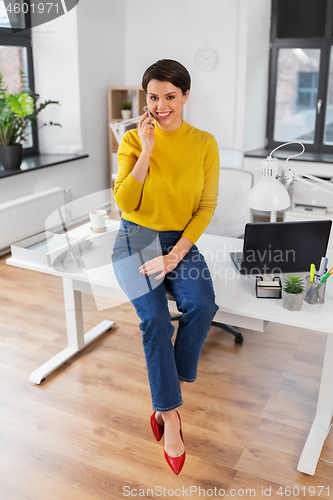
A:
<point x="239" y="339"/>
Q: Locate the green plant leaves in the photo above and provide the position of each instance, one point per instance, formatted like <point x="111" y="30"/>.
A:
<point x="22" y="105"/>
<point x="17" y="110"/>
<point x="293" y="284"/>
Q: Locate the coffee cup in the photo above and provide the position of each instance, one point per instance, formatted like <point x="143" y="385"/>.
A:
<point x="99" y="219"/>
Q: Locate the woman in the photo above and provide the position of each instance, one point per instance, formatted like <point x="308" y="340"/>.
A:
<point x="167" y="187"/>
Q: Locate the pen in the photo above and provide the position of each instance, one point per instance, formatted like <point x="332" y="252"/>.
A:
<point x="326" y="273"/>
<point x="312" y="272"/>
<point x="323" y="265"/>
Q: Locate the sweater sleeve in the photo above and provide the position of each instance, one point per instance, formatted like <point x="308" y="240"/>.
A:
<point x="127" y="190"/>
<point x="208" y="201"/>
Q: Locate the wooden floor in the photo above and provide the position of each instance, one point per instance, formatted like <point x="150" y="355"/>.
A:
<point x="84" y="433"/>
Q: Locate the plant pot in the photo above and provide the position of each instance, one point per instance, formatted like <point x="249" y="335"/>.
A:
<point x="292" y="301"/>
<point x="126" y="114"/>
<point x="11" y="156"/>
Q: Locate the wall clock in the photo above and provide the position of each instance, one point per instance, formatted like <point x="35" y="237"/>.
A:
<point x="206" y="58"/>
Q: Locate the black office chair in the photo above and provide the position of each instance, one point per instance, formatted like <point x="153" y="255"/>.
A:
<point x="238" y="336"/>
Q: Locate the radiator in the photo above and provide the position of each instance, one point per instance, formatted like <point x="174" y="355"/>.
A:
<point x="26" y="216"/>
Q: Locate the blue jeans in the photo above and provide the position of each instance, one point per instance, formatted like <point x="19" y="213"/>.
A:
<point x="190" y="284"/>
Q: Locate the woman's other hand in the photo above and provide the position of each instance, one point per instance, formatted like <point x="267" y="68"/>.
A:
<point x="146" y="132"/>
<point x="164" y="263"/>
<point x="167" y="263"/>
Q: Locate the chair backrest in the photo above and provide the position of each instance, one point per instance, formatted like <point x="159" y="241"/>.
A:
<point x="231" y="158"/>
<point x="232" y="211"/>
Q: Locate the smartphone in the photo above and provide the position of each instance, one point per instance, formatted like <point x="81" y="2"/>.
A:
<point x="148" y="110"/>
<point x="149" y="113"/>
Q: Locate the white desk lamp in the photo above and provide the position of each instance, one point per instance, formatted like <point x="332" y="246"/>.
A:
<point x="269" y="195"/>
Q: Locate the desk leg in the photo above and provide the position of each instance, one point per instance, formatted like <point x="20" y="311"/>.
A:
<point x="314" y="443"/>
<point x="77" y="340"/>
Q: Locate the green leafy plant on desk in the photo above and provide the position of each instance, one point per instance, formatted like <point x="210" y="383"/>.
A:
<point x="293" y="292"/>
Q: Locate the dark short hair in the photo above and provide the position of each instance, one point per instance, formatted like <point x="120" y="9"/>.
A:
<point x="168" y="70"/>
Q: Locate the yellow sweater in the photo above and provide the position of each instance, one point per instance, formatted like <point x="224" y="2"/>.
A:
<point x="181" y="187"/>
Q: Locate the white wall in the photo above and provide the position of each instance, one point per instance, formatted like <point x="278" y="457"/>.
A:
<point x="229" y="101"/>
<point x="176" y="30"/>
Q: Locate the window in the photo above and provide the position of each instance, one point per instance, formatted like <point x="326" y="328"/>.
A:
<point x="307" y="90"/>
<point x="300" y="104"/>
<point x="16" y="55"/>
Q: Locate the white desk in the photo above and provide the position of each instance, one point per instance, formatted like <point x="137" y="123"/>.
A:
<point x="235" y="295"/>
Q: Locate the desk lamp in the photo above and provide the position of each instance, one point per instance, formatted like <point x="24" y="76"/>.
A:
<point x="118" y="128"/>
<point x="269" y="194"/>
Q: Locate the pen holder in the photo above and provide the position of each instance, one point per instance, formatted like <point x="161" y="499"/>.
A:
<point x="315" y="291"/>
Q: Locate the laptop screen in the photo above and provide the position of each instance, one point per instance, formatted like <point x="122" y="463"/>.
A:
<point x="284" y="247"/>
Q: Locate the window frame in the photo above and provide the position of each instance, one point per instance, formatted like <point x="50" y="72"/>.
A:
<point x="19" y="37"/>
<point x="324" y="44"/>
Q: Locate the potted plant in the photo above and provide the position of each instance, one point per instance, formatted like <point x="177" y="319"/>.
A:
<point x="126" y="110"/>
<point x="293" y="293"/>
<point x="17" y="111"/>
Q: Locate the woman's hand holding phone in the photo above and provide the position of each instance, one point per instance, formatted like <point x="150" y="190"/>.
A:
<point x="146" y="132"/>
<point x="141" y="167"/>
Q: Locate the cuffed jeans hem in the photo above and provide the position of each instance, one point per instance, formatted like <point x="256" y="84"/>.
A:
<point x="187" y="379"/>
<point x="156" y="408"/>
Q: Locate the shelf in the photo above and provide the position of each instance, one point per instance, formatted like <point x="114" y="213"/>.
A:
<point x="285" y="153"/>
<point x="40" y="161"/>
<point x="116" y="96"/>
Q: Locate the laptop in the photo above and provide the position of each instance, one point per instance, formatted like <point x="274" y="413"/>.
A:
<point x="282" y="247"/>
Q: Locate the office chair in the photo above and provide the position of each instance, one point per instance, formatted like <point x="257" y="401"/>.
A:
<point x="231" y="158"/>
<point x="232" y="211"/>
<point x="230" y="217"/>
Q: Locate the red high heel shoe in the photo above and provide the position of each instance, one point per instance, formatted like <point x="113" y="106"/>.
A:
<point x="158" y="429"/>
<point x="176" y="463"/>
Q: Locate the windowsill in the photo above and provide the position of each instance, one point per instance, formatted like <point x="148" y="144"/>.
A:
<point x="35" y="162"/>
<point x="284" y="154"/>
